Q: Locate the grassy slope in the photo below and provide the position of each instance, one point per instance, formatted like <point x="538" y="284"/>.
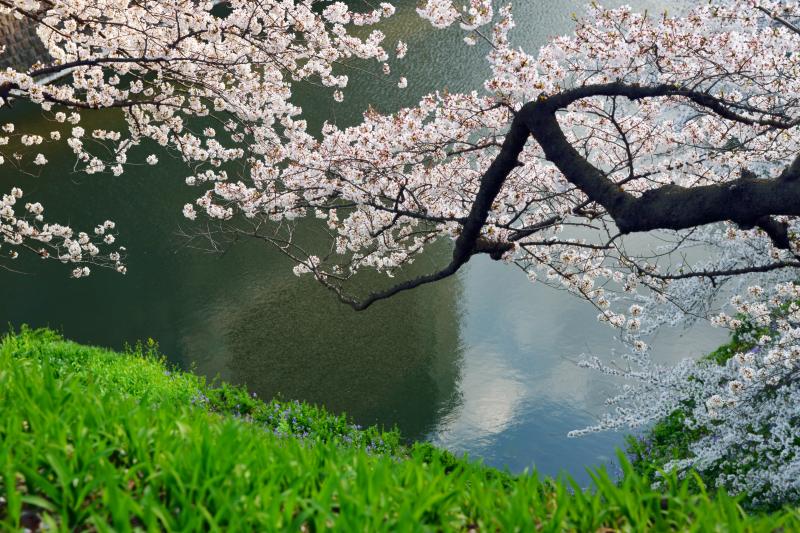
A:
<point x="92" y="439"/>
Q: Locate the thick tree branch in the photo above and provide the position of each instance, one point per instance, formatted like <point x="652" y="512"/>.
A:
<point x="780" y="20"/>
<point x="746" y="201"/>
<point x="469" y="242"/>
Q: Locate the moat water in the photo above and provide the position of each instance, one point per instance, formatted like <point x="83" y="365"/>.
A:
<point x="482" y="363"/>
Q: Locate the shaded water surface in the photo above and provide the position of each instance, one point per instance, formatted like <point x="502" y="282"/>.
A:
<point x="482" y="362"/>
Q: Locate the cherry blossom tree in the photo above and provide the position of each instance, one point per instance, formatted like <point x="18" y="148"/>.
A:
<point x="682" y="127"/>
<point x="636" y="123"/>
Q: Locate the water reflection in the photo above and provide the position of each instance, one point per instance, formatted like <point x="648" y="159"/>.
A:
<point x="481" y="363"/>
<point x="521" y="390"/>
<point x="392" y="364"/>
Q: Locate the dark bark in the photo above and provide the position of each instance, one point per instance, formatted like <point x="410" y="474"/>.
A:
<point x="469" y="242"/>
<point x="491" y="183"/>
<point x="747" y="201"/>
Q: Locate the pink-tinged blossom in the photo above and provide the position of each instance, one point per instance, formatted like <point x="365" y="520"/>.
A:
<point x="727" y="109"/>
<point x="189" y="212"/>
<point x="440" y="13"/>
<point x="401" y="50"/>
<point x="23" y="228"/>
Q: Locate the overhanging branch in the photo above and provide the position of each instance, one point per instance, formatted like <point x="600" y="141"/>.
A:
<point x="747" y="201"/>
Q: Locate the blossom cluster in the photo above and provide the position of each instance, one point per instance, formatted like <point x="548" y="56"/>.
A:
<point x="410" y="177"/>
<point x="745" y="409"/>
<point x="23" y="229"/>
<point x="215" y="90"/>
<point x="166" y="63"/>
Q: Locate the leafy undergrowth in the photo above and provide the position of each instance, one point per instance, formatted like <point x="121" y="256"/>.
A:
<point x="96" y="440"/>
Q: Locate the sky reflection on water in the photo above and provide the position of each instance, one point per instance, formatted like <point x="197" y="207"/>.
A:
<point x="482" y="363"/>
<point x="520" y="388"/>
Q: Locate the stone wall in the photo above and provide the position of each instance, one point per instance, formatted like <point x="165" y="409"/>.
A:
<point x="22" y="46"/>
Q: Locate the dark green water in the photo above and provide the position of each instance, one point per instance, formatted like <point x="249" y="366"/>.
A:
<point x="482" y="362"/>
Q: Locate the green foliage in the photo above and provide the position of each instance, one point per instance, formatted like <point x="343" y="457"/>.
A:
<point x="742" y="340"/>
<point x="668" y="440"/>
<point x="95" y="440"/>
<point x="144" y="374"/>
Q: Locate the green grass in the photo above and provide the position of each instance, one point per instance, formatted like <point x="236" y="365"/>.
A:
<point x="96" y="440"/>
